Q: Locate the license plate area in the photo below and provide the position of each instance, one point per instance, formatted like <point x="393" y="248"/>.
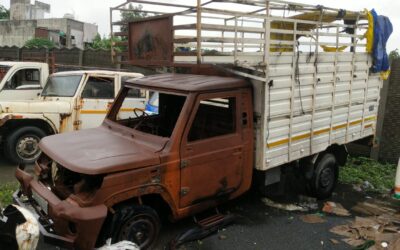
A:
<point x="43" y="204"/>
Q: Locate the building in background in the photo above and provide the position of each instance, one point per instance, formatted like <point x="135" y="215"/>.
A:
<point x="24" y="10"/>
<point x="27" y="21"/>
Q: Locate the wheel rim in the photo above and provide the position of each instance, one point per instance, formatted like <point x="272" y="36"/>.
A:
<point x="327" y="178"/>
<point x="140" y="230"/>
<point x="27" y="147"/>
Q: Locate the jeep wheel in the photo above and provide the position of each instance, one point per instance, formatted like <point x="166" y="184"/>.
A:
<point x="325" y="177"/>
<point x="138" y="224"/>
<point x="22" y="145"/>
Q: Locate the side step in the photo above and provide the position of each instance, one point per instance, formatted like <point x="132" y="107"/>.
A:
<point x="204" y="228"/>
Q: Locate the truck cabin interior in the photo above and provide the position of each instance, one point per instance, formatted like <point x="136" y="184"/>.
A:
<point x="161" y="123"/>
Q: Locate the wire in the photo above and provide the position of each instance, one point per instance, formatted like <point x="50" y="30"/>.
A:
<point x="297" y="77"/>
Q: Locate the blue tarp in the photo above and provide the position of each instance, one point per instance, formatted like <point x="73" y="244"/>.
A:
<point x="382" y="30"/>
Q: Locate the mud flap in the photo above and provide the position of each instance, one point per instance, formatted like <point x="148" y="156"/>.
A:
<point x="203" y="229"/>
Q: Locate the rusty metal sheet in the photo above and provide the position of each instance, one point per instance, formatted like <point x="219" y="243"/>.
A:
<point x="151" y="41"/>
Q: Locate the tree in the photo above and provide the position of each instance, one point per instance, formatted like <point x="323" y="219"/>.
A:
<point x="103" y="43"/>
<point x="4" y="13"/>
<point x="394" y="54"/>
<point x="131" y="14"/>
<point x="39" y="43"/>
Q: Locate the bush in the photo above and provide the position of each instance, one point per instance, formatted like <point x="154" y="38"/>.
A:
<point x="359" y="170"/>
<point x="39" y="43"/>
<point x="6" y="192"/>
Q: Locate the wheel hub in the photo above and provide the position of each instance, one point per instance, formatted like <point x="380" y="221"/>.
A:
<point x="28" y="147"/>
<point x="327" y="177"/>
<point x="140" y="230"/>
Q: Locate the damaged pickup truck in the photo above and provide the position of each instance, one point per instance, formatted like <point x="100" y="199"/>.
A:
<point x="257" y="105"/>
<point x="70" y="101"/>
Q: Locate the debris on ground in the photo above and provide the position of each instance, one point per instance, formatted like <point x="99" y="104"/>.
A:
<point x="302" y="206"/>
<point x="379" y="230"/>
<point x="368" y="208"/>
<point x="312" y="218"/>
<point x="335" y="208"/>
<point x="122" y="245"/>
<point x="308" y="202"/>
<point x="334" y="241"/>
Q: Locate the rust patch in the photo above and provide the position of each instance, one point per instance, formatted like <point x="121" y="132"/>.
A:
<point x="151" y="41"/>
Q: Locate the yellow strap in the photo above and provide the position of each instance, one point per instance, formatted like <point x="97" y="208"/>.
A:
<point x="385" y="75"/>
<point x="333" y="49"/>
<point x="370" y="32"/>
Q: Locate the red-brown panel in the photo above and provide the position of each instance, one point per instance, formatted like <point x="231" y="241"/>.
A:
<point x="41" y="33"/>
<point x="151" y="41"/>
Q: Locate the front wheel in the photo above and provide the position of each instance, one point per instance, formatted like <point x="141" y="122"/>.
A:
<point x="325" y="177"/>
<point x="138" y="224"/>
<point x="22" y="145"/>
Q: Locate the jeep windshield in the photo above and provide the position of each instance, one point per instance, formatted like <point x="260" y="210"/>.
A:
<point x="3" y="71"/>
<point x="62" y="85"/>
<point x="160" y="124"/>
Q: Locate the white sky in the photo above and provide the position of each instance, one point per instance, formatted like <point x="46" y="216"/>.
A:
<point x="97" y="11"/>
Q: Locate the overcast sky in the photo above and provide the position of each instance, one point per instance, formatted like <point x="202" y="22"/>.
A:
<point x="97" y="11"/>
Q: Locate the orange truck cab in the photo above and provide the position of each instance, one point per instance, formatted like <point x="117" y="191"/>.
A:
<point x="109" y="182"/>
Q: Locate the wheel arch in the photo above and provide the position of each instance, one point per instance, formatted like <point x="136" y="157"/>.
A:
<point x="340" y="153"/>
<point x="42" y="124"/>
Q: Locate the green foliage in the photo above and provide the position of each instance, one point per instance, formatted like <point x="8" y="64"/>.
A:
<point x="359" y="170"/>
<point x="40" y="43"/>
<point x="4" y="13"/>
<point x="394" y="54"/>
<point x="6" y="191"/>
<point x="133" y="14"/>
<point x="104" y="43"/>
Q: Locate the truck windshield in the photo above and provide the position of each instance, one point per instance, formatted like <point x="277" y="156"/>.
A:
<point x="62" y="86"/>
<point x="3" y="71"/>
<point x="160" y="123"/>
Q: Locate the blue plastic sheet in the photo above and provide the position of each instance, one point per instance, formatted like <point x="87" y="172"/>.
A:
<point x="382" y="30"/>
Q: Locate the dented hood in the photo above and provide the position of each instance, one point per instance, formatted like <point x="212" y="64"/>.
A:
<point x="99" y="151"/>
<point x="35" y="107"/>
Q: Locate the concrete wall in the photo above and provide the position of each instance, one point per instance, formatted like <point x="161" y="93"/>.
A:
<point x="16" y="33"/>
<point x="89" y="32"/>
<point x="19" y="9"/>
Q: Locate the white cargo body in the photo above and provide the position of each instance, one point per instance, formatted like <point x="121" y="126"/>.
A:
<point x="308" y="64"/>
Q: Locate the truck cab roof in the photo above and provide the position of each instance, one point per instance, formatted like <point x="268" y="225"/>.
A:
<point x="98" y="72"/>
<point x="188" y="83"/>
<point x="30" y="64"/>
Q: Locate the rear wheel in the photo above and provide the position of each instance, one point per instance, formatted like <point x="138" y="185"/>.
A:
<point x="22" y="145"/>
<point x="138" y="224"/>
<point x="325" y="177"/>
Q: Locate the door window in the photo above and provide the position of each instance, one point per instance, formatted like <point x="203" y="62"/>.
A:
<point x="214" y="117"/>
<point x="99" y="88"/>
<point x="24" y="79"/>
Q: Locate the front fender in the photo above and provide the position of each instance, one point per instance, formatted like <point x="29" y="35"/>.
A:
<point x="7" y="118"/>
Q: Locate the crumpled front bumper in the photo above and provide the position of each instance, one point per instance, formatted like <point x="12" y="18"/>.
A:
<point x="65" y="224"/>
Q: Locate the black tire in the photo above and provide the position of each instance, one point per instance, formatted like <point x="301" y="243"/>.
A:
<point x="22" y="145"/>
<point x="138" y="224"/>
<point x="325" y="177"/>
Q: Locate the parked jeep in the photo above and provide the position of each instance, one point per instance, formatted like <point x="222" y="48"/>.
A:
<point x="22" y="80"/>
<point x="69" y="101"/>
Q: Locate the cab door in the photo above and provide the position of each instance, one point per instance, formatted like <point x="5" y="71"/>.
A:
<point x="23" y="84"/>
<point x="212" y="150"/>
<point x="96" y="97"/>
